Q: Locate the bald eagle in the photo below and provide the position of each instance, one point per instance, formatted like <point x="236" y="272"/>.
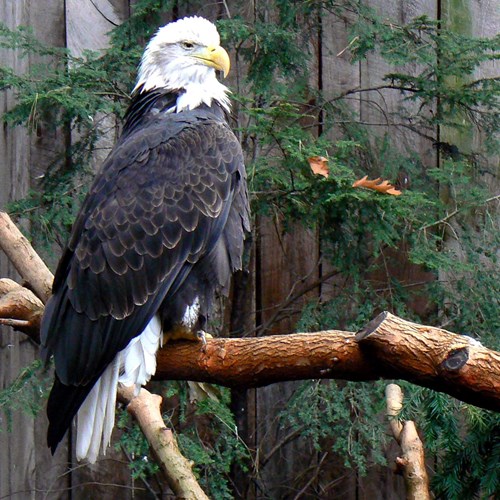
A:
<point x="161" y="229"/>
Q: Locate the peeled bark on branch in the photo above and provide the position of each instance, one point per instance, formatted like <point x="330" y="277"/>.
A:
<point x="20" y="308"/>
<point x="26" y="261"/>
<point x="145" y="408"/>
<point x="388" y="347"/>
<point x="412" y="461"/>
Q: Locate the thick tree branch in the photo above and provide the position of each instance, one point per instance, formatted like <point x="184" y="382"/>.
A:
<point x="20" y="308"/>
<point x="432" y="357"/>
<point x="389" y="347"/>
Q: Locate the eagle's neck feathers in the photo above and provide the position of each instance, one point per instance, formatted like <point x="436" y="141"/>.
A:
<point x="148" y="105"/>
<point x="198" y="84"/>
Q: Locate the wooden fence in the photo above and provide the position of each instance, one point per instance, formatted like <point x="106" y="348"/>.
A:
<point x="283" y="265"/>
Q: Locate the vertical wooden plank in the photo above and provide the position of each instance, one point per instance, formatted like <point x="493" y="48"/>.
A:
<point x="479" y="18"/>
<point x="210" y="11"/>
<point x="382" y="107"/>
<point x="241" y="321"/>
<point x="25" y="466"/>
<point x="288" y="263"/>
<point x="339" y="74"/>
<point x="485" y="23"/>
<point x="88" y="23"/>
<point x="48" y="143"/>
<point x="243" y="306"/>
<point x="377" y="108"/>
<point x="14" y="142"/>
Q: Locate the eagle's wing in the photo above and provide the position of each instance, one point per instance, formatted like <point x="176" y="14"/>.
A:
<point x="159" y="204"/>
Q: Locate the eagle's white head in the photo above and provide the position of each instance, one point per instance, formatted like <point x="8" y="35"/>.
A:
<point x="184" y="55"/>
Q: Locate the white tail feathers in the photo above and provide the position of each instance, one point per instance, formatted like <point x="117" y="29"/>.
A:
<point x="96" y="416"/>
<point x="140" y="356"/>
<point x="133" y="366"/>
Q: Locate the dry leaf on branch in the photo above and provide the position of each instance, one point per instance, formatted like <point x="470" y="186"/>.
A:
<point x="377" y="185"/>
<point x="319" y="165"/>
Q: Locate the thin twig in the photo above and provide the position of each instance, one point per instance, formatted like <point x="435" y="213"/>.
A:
<point x="456" y="211"/>
<point x="312" y="478"/>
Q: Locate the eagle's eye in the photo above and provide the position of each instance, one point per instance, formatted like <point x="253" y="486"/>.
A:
<point x="187" y="45"/>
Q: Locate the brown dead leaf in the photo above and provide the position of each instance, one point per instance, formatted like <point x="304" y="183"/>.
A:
<point x="377" y="185"/>
<point x="319" y="165"/>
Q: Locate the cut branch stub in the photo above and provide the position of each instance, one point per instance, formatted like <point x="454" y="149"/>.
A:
<point x="20" y="308"/>
<point x="434" y="358"/>
<point x="456" y="359"/>
<point x="371" y="326"/>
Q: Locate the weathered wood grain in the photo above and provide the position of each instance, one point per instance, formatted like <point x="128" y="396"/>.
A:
<point x="26" y="471"/>
<point x="283" y="260"/>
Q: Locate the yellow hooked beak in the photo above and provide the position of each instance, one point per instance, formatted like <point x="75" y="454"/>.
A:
<point x="215" y="57"/>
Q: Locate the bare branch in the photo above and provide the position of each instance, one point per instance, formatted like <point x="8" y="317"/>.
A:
<point x="394" y="405"/>
<point x="145" y="408"/>
<point x="456" y="211"/>
<point x="26" y="261"/>
<point x="412" y="461"/>
<point x="20" y="308"/>
<point x="389" y="348"/>
<point x="14" y="323"/>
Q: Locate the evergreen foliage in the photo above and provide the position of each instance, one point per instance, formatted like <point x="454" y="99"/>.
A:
<point x="445" y="223"/>
<point x="26" y="393"/>
<point x="345" y="415"/>
<point x="214" y="445"/>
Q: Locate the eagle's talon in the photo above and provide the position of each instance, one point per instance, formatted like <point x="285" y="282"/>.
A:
<point x="203" y="336"/>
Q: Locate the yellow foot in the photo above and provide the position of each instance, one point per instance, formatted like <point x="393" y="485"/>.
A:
<point x="182" y="333"/>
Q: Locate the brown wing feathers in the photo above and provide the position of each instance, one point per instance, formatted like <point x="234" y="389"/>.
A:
<point x="161" y="203"/>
